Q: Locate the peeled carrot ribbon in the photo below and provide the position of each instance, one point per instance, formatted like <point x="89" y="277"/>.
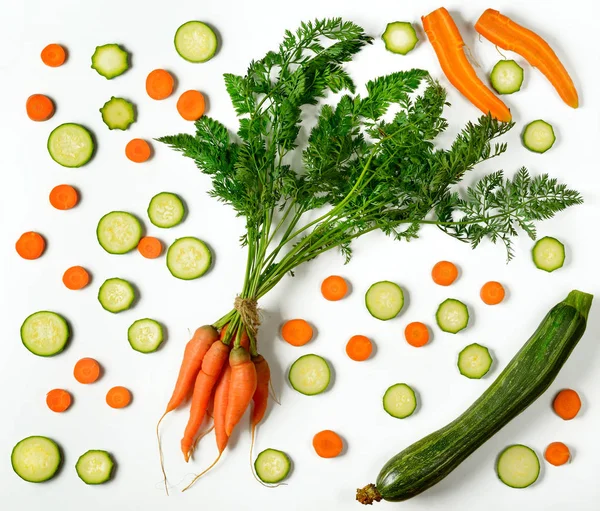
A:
<point x="448" y="44"/>
<point x="510" y="36"/>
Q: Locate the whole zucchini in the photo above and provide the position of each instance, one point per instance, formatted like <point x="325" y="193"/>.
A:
<point x="526" y="377"/>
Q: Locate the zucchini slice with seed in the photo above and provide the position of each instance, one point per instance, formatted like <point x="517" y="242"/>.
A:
<point x="118" y="113"/>
<point x="548" y="254"/>
<point x="36" y="459"/>
<point x="474" y="361"/>
<point x="118" y="232"/>
<point x="110" y="60"/>
<point x="272" y="466"/>
<point x="145" y="335"/>
<point x="452" y="316"/>
<point x="45" y="333"/>
<point x="538" y="136"/>
<point x="400" y="401"/>
<point x="400" y="37"/>
<point x="506" y="77"/>
<point x="166" y="210"/>
<point x="95" y="467"/>
<point x="195" y="42"/>
<point x="518" y="466"/>
<point x="70" y="145"/>
<point x="188" y="258"/>
<point x="384" y="300"/>
<point x="310" y="375"/>
<point x="116" y="295"/>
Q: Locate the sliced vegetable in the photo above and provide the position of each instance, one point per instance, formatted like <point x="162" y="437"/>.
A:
<point x="70" y="145"/>
<point x="116" y="295"/>
<point x="39" y="107"/>
<point x="138" y="150"/>
<point x="506" y="77"/>
<point x="328" y="444"/>
<point x="297" y="332"/>
<point x="195" y="42"/>
<point x="525" y="378"/>
<point x="95" y="467"/>
<point x="118" y="397"/>
<point x="400" y="401"/>
<point x="30" y="245"/>
<point x="508" y="35"/>
<point x="110" y="60"/>
<point x="53" y="55"/>
<point x="166" y="210"/>
<point x="444" y="273"/>
<point x="400" y="37"/>
<point x="63" y="197"/>
<point x="159" y="84"/>
<point x="76" y="277"/>
<point x="567" y="404"/>
<point x="384" y="300"/>
<point x="448" y="44"/>
<point x="188" y="258"/>
<point x="45" y="333"/>
<point x="118" y="113"/>
<point x="334" y="288"/>
<point x="36" y="459"/>
<point x="310" y="375"/>
<point x="416" y="334"/>
<point x="191" y="105"/>
<point x="474" y="361"/>
<point x="150" y="247"/>
<point x="452" y="316"/>
<point x="119" y="232"/>
<point x="272" y="466"/>
<point x="145" y="335"/>
<point x="359" y="348"/>
<point x="548" y="254"/>
<point x="557" y="454"/>
<point x="492" y="293"/>
<point x="86" y="370"/>
<point x="538" y="136"/>
<point x="58" y="400"/>
<point x="518" y="466"/>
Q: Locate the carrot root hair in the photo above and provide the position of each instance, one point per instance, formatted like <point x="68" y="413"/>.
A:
<point x="202" y="473"/>
<point x="161" y="455"/>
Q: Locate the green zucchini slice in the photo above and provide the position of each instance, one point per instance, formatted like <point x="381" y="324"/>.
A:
<point x="70" y="145"/>
<point x="116" y="295"/>
<point x="400" y="401"/>
<point x="95" y="467"/>
<point x="118" y="113"/>
<point x="506" y="77"/>
<point x="272" y="466"/>
<point x="36" y="459"/>
<point x="110" y="60"/>
<point x="538" y="136"/>
<point x="310" y="375"/>
<point x="188" y="258"/>
<point x="166" y="210"/>
<point x="45" y="333"/>
<point x="474" y="361"/>
<point x="145" y="335"/>
<point x="195" y="42"/>
<point x="548" y="254"/>
<point x="384" y="300"/>
<point x="518" y="466"/>
<point x="119" y="232"/>
<point x="400" y="37"/>
<point x="452" y="316"/>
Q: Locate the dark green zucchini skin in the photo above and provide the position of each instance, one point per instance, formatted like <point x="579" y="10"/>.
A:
<point x="525" y="378"/>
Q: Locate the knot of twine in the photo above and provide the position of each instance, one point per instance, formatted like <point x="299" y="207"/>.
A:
<point x="248" y="310"/>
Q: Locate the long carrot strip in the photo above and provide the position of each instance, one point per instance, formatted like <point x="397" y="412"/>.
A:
<point x="448" y="44"/>
<point x="510" y="36"/>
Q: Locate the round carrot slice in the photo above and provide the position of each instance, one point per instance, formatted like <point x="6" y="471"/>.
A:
<point x="39" y="107"/>
<point x="76" y="277"/>
<point x="138" y="150"/>
<point x="492" y="293"/>
<point x="567" y="404"/>
<point x="86" y="370"/>
<point x="30" y="245"/>
<point x="159" y="84"/>
<point x="557" y="454"/>
<point x="359" y="348"/>
<point x="58" y="400"/>
<point x="444" y="273"/>
<point x="64" y="197"/>
<point x="416" y="334"/>
<point x="53" y="55"/>
<point x="191" y="105"/>
<point x="296" y="332"/>
<point x="328" y="444"/>
<point x="118" y="397"/>
<point x="150" y="247"/>
<point x="334" y="288"/>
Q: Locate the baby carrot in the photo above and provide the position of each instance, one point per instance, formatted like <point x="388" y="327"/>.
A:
<point x="334" y="288"/>
<point x="53" y="55"/>
<point x="64" y="197"/>
<point x="58" y="400"/>
<point x="86" y="370"/>
<point x="30" y="245"/>
<point x="297" y="332"/>
<point x="39" y="107"/>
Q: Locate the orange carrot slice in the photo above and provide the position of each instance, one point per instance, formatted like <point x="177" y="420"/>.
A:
<point x="39" y="107"/>
<point x="64" y="197"/>
<point x="53" y="55"/>
<point x="30" y="245"/>
<point x="58" y="400"/>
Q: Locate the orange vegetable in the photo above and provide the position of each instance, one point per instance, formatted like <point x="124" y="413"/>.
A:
<point x="297" y="332"/>
<point x="118" y="397"/>
<point x="244" y="339"/>
<point x="64" y="197"/>
<point x="39" y="107"/>
<point x="76" y="277"/>
<point x="416" y="334"/>
<point x="205" y="382"/>
<point x="242" y="387"/>
<point x="159" y="84"/>
<point x="30" y="245"/>
<point x="359" y="348"/>
<point x="334" y="288"/>
<point x="328" y="444"/>
<point x="444" y="273"/>
<point x="150" y="247"/>
<point x="220" y="408"/>
<point x="54" y="55"/>
<point x="86" y="370"/>
<point x="567" y="404"/>
<point x="557" y="454"/>
<point x="448" y="44"/>
<point x="508" y="35"/>
<point x="492" y="293"/>
<point x="138" y="150"/>
<point x="191" y="105"/>
<point x="58" y="400"/>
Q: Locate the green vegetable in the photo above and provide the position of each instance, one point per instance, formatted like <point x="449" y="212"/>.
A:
<point x="95" y="467"/>
<point x="45" y="333"/>
<point x="452" y="316"/>
<point x="400" y="401"/>
<point x="310" y="375"/>
<point x="166" y="210"/>
<point x="36" y="459"/>
<point x="145" y="335"/>
<point x="70" y="145"/>
<point x="384" y="300"/>
<point x="195" y="42"/>
<point x="474" y="361"/>
<point x="538" y="136"/>
<point x="116" y="295"/>
<point x="110" y="60"/>
<point x="507" y="77"/>
<point x="272" y="466"/>
<point x="525" y="378"/>
<point x="188" y="258"/>
<point x="518" y="466"/>
<point x="548" y="254"/>
<point x="118" y="113"/>
<point x="400" y="37"/>
<point x="118" y="232"/>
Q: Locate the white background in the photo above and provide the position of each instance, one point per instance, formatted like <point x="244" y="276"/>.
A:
<point x="352" y="405"/>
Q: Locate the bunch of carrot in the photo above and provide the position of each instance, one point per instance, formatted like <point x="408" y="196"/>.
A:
<point x="220" y="366"/>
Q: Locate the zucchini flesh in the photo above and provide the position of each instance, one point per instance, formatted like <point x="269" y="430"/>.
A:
<point x="118" y="113"/>
<point x="518" y="466"/>
<point x="36" y="459"/>
<point x="272" y="466"/>
<point x="506" y="77"/>
<point x="188" y="258"/>
<point x="400" y="401"/>
<point x="95" y="467"/>
<point x="110" y="60"/>
<point x="195" y="42"/>
<point x="70" y="145"/>
<point x="310" y="375"/>
<point x="548" y="254"/>
<point x="116" y="295"/>
<point x="145" y="335"/>
<point x="166" y="210"/>
<point x="538" y="136"/>
<point x="384" y="300"/>
<point x="45" y="333"/>
<point x="525" y="378"/>
<point x="400" y="37"/>
<point x="452" y="316"/>
<point x="474" y="361"/>
<point x="118" y="232"/>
